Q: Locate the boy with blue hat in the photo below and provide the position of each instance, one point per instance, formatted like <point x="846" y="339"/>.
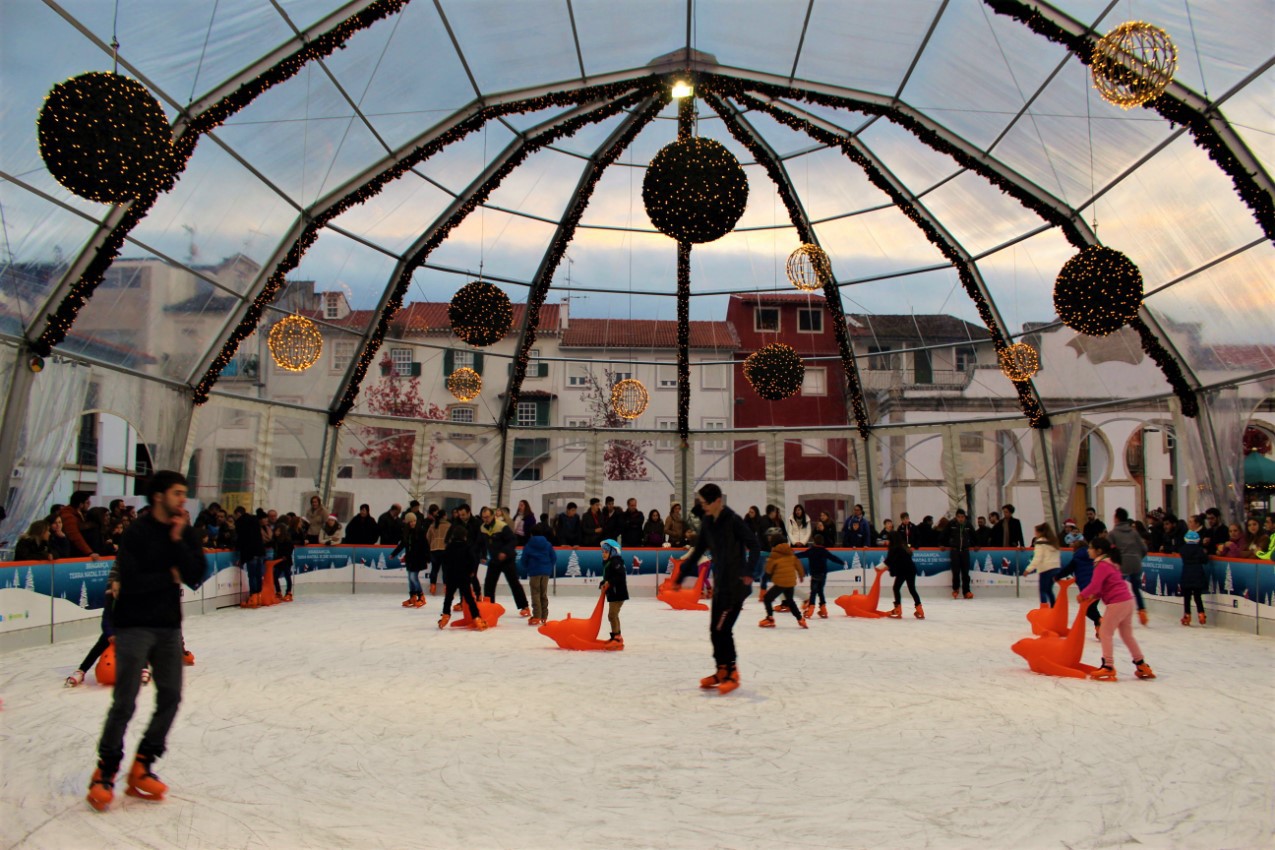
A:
<point x="616" y="587"/>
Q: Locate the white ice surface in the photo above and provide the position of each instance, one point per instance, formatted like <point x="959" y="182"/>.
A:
<point x="350" y="722"/>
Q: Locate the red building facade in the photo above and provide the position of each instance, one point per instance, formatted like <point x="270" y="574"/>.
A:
<point x="802" y="322"/>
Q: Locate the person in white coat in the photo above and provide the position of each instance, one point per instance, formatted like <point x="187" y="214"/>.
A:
<point x="799" y="527"/>
<point x="1045" y="560"/>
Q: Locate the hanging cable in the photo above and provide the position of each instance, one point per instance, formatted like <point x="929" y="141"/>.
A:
<point x="115" y="39"/>
<point x="203" y="51"/>
<point x="1196" y="44"/>
<point x="1089" y="126"/>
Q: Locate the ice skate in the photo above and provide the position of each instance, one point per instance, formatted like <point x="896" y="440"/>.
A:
<point x="534" y="621"/>
<point x="433" y="589"/>
<point x="480" y="624"/>
<point x="823" y="612"/>
<point x="1142" y="616"/>
<point x="188" y="658"/>
<point x="101" y="790"/>
<point x="919" y="613"/>
<point x="767" y="623"/>
<point x="287" y="597"/>
<point x="1142" y="669"/>
<point x="808" y="610"/>
<point x="715" y="679"/>
<point x="730" y="683"/>
<point x="410" y="601"/>
<point x="525" y="612"/>
<point x="956" y="594"/>
<point x="75" y="679"/>
<point x="969" y="595"/>
<point x="456" y="607"/>
<point x="420" y="600"/>
<point x="803" y="624"/>
<point x="1186" y="619"/>
<point x="142" y="782"/>
<point x="444" y="620"/>
<point x="615" y="644"/>
<point x="896" y="613"/>
<point x="1203" y="618"/>
<point x="782" y="608"/>
<point x="1105" y="673"/>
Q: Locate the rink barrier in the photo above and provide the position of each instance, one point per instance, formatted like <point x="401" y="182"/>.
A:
<point x="44" y="596"/>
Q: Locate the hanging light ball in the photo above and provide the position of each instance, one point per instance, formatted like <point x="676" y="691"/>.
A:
<point x="629" y="398"/>
<point x="808" y="267"/>
<point x="104" y="137"/>
<point x="1098" y="291"/>
<point x="776" y="372"/>
<point x="295" y="343"/>
<point x="480" y="313"/>
<point x="694" y="190"/>
<point x="1019" y="362"/>
<point x="465" y="384"/>
<point x="1132" y="64"/>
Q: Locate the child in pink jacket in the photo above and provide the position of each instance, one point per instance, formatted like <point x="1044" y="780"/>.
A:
<point x="1111" y="588"/>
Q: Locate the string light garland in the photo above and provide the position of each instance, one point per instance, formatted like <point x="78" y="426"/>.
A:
<point x="465" y="384"/>
<point x="480" y="313"/>
<point x="1027" y="399"/>
<point x="684" y="341"/>
<point x="629" y="398"/>
<point x="808" y="267"/>
<point x="831" y="293"/>
<point x="295" y="343"/>
<point x="184" y="137"/>
<point x="776" y="371"/>
<point x="104" y="137"/>
<point x="1019" y="362"/>
<point x="1132" y="64"/>
<point x="694" y="190"/>
<point x="1098" y="291"/>
<point x="1173" y="109"/>
<point x="620" y="95"/>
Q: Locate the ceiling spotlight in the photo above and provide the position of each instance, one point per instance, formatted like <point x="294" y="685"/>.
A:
<point x="682" y="89"/>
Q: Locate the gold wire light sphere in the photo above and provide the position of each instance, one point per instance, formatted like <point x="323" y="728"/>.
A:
<point x="295" y="343"/>
<point x="629" y="398"/>
<point x="480" y="313"/>
<point x="808" y="267"/>
<point x="1020" y="362"/>
<point x="1134" y="63"/>
<point x="465" y="384"/>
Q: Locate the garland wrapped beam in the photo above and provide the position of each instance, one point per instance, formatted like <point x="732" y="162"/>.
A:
<point x="910" y="207"/>
<point x="187" y="130"/>
<point x="685" y="129"/>
<point x="1251" y="182"/>
<point x="396" y="168"/>
<point x="763" y="154"/>
<point x="608" y="151"/>
<point x="419" y="255"/>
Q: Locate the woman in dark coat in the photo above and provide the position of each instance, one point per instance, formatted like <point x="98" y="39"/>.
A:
<point x="415" y="545"/>
<point x="1195" y="578"/>
<point x="903" y="569"/>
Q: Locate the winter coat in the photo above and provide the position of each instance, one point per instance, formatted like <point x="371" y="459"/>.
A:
<point x="500" y="541"/>
<point x="71" y="522"/>
<point x="1194" y="567"/>
<point x="1107" y="584"/>
<point x="631" y="529"/>
<point x="538" y="556"/>
<point x="248" y="537"/>
<point x="653" y="533"/>
<point x="1081" y="567"/>
<point x="1044" y="559"/>
<point x="799" y="534"/>
<point x="1131" y="546"/>
<point x="899" y="560"/>
<point x="675" y="529"/>
<point x="438" y="533"/>
<point x="960" y="536"/>
<point x="362" y="530"/>
<point x="570" y="529"/>
<point x="783" y="567"/>
<point x="818" y="558"/>
<point x="459" y="564"/>
<point x="591" y="526"/>
<point x="857" y="533"/>
<point x="415" y="545"/>
<point x="31" y="549"/>
<point x="330" y="535"/>
<point x="148" y="594"/>
<point x="734" y="547"/>
<point x="315" y="518"/>
<point x="616" y="580"/>
<point x="388" y="529"/>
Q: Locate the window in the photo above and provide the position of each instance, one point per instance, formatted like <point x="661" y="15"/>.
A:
<point x="714" y="445"/>
<point x="880" y="358"/>
<point x="577" y="376"/>
<point x="332" y="306"/>
<point x="462" y="360"/>
<point x="810" y="321"/>
<point x="527" y="413"/>
<point x="234" y="471"/>
<point x="401" y="358"/>
<point x="346" y="471"/>
<point x="622" y="376"/>
<point x="460" y="413"/>
<point x="460" y="473"/>
<point x="86" y="447"/>
<point x="527" y="473"/>
<point x="342" y="353"/>
<point x="815" y="382"/>
<point x="923" y="367"/>
<point x="288" y="471"/>
<point x="713" y="377"/>
<point x="972" y="443"/>
<point x="665" y="424"/>
<point x="577" y="422"/>
<point x="966" y="359"/>
<point x="814" y="448"/>
<point x="666" y="376"/>
<point x="766" y="319"/>
<point x="535" y="369"/>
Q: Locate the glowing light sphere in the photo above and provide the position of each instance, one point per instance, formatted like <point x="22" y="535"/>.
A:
<point x="694" y="190"/>
<point x="480" y="313"/>
<point x="629" y="398"/>
<point x="776" y="371"/>
<point x="465" y="384"/>
<point x="808" y="267"/>
<point x="1134" y="63"/>
<point x="295" y="343"/>
<point x="1020" y="362"/>
<point x="1098" y="291"/>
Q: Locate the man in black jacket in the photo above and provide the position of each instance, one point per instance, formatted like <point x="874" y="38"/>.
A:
<point x="960" y="539"/>
<point x="735" y="553"/>
<point x="158" y="553"/>
<point x="388" y="526"/>
<point x="501" y="558"/>
<point x="362" y="530"/>
<point x="1010" y="530"/>
<point x="252" y="552"/>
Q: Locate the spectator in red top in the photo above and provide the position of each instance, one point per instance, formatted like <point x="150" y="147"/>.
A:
<point x="72" y="516"/>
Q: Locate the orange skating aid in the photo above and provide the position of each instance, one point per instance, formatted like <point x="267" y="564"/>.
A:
<point x="864" y="605"/>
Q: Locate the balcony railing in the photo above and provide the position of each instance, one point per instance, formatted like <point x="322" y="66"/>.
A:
<point x="905" y="379"/>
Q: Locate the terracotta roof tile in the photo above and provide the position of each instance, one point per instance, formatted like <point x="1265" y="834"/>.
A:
<point x="646" y="333"/>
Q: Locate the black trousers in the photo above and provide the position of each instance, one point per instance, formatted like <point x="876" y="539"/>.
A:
<point x="466" y="592"/>
<point x="961" y="570"/>
<point x="283" y="570"/>
<point x="135" y="648"/>
<point x="726" y="605"/>
<point x="435" y="565"/>
<point x="774" y="593"/>
<point x="899" y="581"/>
<point x="104" y="639"/>
<point x="506" y="568"/>
<point x="816" y="590"/>
<point x="1186" y="601"/>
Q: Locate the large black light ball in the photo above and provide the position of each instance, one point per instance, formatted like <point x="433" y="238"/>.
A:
<point x="106" y="139"/>
<point x="776" y="372"/>
<point x="480" y="313"/>
<point x="694" y="190"/>
<point x="1098" y="291"/>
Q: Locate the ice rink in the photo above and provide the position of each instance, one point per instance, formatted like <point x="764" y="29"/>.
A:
<point x="349" y="722"/>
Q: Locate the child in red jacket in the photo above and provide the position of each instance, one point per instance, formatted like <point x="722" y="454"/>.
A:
<point x="1109" y="586"/>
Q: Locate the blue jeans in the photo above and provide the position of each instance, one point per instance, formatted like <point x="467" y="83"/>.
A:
<point x="256" y="571"/>
<point x="1135" y="580"/>
<point x="414" y="582"/>
<point x="1047" y="586"/>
